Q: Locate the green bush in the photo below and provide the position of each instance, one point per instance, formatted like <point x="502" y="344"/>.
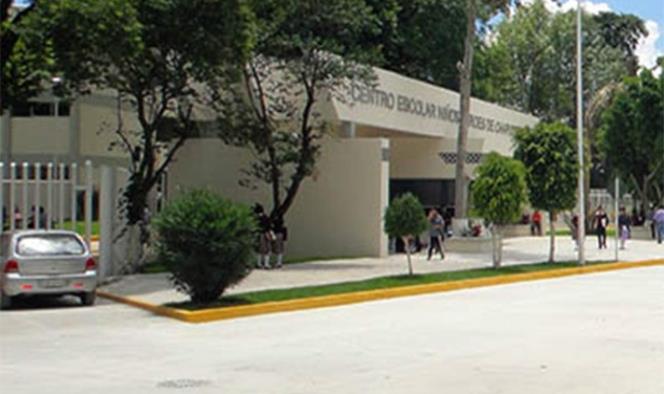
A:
<point x="405" y="219"/>
<point x="206" y="243"/>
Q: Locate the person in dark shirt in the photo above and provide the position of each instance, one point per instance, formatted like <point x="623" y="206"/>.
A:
<point x="280" y="236"/>
<point x="601" y="222"/>
<point x="624" y="226"/>
<point x="265" y="237"/>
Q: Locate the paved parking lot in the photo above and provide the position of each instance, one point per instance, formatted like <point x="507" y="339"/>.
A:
<point x="599" y="333"/>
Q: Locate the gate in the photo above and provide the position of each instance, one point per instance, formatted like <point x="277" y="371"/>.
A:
<point x="45" y="196"/>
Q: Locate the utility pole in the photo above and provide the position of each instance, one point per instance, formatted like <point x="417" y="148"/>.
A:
<point x="579" y="133"/>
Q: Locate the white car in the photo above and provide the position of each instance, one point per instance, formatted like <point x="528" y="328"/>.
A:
<point x="53" y="262"/>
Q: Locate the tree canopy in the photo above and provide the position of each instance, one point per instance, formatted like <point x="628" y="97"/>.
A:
<point x="498" y="193"/>
<point x="632" y="135"/>
<point x="548" y="152"/>
<point x="529" y="64"/>
<point x="304" y="49"/>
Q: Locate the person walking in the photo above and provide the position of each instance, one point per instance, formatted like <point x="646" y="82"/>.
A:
<point x="536" y="223"/>
<point x="575" y="231"/>
<point x="280" y="236"/>
<point x="658" y="221"/>
<point x="601" y="222"/>
<point x="624" y="226"/>
<point x="265" y="237"/>
<point x="436" y="228"/>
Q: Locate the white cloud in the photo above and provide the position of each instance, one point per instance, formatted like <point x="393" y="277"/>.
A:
<point x="588" y="6"/>
<point x="646" y="50"/>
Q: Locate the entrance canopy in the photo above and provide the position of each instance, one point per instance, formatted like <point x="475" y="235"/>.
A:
<point x="417" y="108"/>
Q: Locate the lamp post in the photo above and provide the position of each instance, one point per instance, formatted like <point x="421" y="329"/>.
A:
<point x="579" y="135"/>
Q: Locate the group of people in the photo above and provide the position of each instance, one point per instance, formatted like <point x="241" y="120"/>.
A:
<point x="272" y="236"/>
<point x="600" y="222"/>
<point x="37" y="216"/>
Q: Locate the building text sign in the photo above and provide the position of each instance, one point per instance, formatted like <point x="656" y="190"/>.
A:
<point x="402" y="103"/>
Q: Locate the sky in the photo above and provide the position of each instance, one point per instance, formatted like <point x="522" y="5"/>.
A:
<point x="651" y="11"/>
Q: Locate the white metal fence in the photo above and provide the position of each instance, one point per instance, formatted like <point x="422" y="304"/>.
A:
<point x="45" y="195"/>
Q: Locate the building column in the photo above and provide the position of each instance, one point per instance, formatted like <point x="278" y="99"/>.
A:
<point x="384" y="194"/>
<point x="74" y="131"/>
<point x="5" y="137"/>
<point x="348" y="129"/>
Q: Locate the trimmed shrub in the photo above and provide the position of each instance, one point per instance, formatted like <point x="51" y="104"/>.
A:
<point x="405" y="219"/>
<point x="206" y="242"/>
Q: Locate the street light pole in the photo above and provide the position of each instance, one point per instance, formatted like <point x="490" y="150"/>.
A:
<point x="581" y="237"/>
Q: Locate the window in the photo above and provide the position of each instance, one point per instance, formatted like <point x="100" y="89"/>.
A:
<point x="63" y="108"/>
<point x="49" y="245"/>
<point x="21" y="110"/>
<point x="43" y="109"/>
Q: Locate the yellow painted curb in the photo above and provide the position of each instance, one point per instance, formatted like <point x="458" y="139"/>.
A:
<point x="222" y="313"/>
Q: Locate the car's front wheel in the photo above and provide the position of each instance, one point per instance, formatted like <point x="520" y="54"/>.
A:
<point x="88" y="299"/>
<point x="5" y="301"/>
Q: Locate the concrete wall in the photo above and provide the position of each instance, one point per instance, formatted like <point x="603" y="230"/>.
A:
<point x="338" y="212"/>
<point x="98" y="122"/>
<point x="418" y="158"/>
<point x="39" y="135"/>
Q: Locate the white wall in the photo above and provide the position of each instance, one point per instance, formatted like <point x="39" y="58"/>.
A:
<point x="338" y="212"/>
<point x="39" y="135"/>
<point x="418" y="158"/>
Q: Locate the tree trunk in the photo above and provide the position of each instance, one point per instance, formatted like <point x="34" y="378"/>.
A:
<point x="465" y="82"/>
<point x="407" y="247"/>
<point x="552" y="234"/>
<point x="497" y="244"/>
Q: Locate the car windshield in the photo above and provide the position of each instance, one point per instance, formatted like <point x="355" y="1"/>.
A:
<point x="49" y="245"/>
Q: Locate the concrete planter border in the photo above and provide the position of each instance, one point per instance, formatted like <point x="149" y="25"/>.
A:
<point x="223" y="313"/>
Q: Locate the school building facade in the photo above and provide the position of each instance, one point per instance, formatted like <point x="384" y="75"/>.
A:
<point x="397" y="136"/>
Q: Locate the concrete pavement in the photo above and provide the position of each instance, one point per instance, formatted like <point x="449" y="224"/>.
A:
<point x="156" y="288"/>
<point x="591" y="334"/>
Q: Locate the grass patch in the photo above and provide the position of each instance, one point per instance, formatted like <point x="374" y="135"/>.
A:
<point x="80" y="227"/>
<point x="610" y="232"/>
<point x="374" y="284"/>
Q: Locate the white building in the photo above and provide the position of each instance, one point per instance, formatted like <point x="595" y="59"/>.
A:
<point x="397" y="137"/>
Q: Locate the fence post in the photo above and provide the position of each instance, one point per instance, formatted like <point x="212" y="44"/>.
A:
<point x="37" y="213"/>
<point x="12" y="196"/>
<point x="616" y="197"/>
<point x="88" y="201"/>
<point x="73" y="175"/>
<point x="24" y="197"/>
<point x="106" y="220"/>
<point x="2" y="197"/>
<point x="61" y="196"/>
<point x="49" y="196"/>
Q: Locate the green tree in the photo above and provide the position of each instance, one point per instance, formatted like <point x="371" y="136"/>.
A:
<point x="304" y="50"/>
<point x="530" y="66"/>
<point x="405" y="219"/>
<point x="426" y="42"/>
<point x="25" y="58"/>
<point x="206" y="242"/>
<point x="498" y="193"/>
<point x="548" y="152"/>
<point x="632" y="136"/>
<point x="484" y="10"/>
<point x="534" y="55"/>
<point x="160" y="57"/>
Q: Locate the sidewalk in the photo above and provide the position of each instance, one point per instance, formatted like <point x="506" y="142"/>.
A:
<point x="156" y="288"/>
